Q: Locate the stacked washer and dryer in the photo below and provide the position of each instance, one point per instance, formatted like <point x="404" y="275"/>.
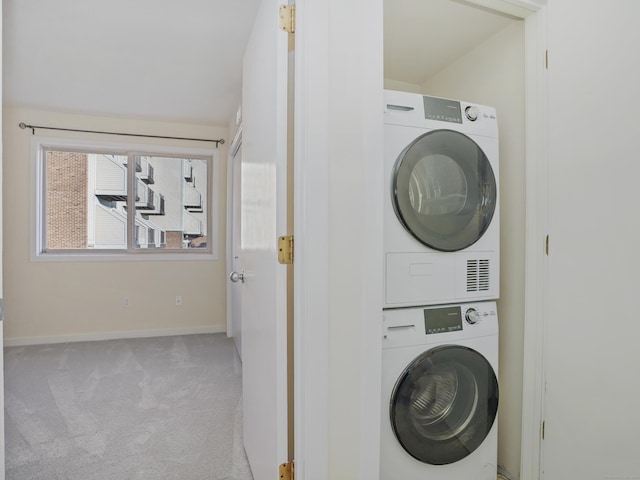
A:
<point x="442" y="264"/>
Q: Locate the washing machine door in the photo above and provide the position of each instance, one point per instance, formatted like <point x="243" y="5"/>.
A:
<point x="444" y="190"/>
<point x="444" y="404"/>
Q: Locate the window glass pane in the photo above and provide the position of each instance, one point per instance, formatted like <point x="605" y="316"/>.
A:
<point x="171" y="202"/>
<point x="85" y="200"/>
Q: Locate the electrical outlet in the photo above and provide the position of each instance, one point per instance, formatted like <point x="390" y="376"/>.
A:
<point x="178" y="301"/>
<point x="126" y="302"/>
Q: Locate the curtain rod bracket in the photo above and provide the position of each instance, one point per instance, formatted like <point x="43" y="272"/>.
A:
<point x="23" y="125"/>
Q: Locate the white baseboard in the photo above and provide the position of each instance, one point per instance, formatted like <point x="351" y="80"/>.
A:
<point x="92" y="337"/>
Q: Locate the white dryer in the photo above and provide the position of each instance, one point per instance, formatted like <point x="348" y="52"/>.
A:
<point x="440" y="393"/>
<point x="441" y="217"/>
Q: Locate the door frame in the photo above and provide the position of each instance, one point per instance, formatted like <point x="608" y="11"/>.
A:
<point x="231" y="155"/>
<point x="2" y="455"/>
<point x="536" y="211"/>
<point x="311" y="220"/>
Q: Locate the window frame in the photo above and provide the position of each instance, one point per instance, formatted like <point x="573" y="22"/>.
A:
<point x="41" y="144"/>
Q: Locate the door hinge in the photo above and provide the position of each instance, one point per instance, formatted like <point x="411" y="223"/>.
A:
<point x="288" y="18"/>
<point x="546" y="245"/>
<point x="286" y="471"/>
<point x="285" y="249"/>
<point x="546" y="59"/>
<point x="543" y="429"/>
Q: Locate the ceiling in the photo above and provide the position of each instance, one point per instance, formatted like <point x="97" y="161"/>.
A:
<point x="182" y="61"/>
<point x="161" y="59"/>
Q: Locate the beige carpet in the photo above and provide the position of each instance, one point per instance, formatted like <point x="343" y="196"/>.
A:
<point x="164" y="408"/>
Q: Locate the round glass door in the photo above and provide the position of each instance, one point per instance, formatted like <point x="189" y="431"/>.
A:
<point x="444" y="190"/>
<point x="444" y="404"/>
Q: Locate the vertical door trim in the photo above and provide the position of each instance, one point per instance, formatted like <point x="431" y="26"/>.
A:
<point x="310" y="224"/>
<point x="536" y="201"/>
<point x="2" y="457"/>
<point x="231" y="156"/>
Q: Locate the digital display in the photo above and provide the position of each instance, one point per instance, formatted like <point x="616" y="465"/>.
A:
<point x="442" y="110"/>
<point x="442" y="320"/>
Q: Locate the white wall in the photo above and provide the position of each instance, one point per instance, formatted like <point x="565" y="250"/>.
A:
<point x="493" y="74"/>
<point x="390" y="84"/>
<point x="45" y="300"/>
<point x="354" y="148"/>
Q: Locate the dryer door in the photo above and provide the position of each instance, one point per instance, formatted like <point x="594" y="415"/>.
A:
<point x="444" y="404"/>
<point x="444" y="190"/>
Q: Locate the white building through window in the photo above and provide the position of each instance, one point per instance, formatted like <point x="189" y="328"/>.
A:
<point x="101" y="199"/>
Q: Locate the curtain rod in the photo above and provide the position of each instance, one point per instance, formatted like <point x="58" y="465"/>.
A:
<point x="33" y="131"/>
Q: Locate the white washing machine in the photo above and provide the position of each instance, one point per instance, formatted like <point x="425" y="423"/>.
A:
<point x="441" y="217"/>
<point x="440" y="393"/>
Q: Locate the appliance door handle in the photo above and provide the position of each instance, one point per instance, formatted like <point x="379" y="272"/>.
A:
<point x="398" y="327"/>
<point x="400" y="108"/>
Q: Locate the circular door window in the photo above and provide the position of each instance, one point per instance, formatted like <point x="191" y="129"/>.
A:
<point x="444" y="190"/>
<point x="444" y="404"/>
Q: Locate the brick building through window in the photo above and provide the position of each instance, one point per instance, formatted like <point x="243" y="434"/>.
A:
<point x="88" y="203"/>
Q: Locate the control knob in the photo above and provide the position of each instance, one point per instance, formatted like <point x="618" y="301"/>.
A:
<point x="471" y="113"/>
<point x="472" y="316"/>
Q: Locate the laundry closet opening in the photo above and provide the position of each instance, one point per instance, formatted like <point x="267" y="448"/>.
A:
<point x="452" y="50"/>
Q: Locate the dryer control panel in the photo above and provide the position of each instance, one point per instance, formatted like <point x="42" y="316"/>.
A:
<point x="416" y="110"/>
<point x="442" y="109"/>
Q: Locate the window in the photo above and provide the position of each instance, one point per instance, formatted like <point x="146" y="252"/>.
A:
<point x="123" y="199"/>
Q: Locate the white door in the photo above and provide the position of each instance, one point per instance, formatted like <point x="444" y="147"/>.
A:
<point x="235" y="268"/>
<point x="263" y="219"/>
<point x="592" y="331"/>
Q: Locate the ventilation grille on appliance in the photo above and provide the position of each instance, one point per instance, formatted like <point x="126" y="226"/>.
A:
<point x="477" y="275"/>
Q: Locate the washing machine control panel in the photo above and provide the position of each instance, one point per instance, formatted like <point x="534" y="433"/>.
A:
<point x="452" y="318"/>
<point x="418" y="326"/>
<point x="481" y="312"/>
<point x="442" y="320"/>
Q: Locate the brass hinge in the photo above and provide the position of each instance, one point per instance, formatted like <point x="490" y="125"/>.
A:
<point x="546" y="245"/>
<point x="288" y="18"/>
<point x="546" y="59"/>
<point x="285" y="249"/>
<point x="286" y="471"/>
